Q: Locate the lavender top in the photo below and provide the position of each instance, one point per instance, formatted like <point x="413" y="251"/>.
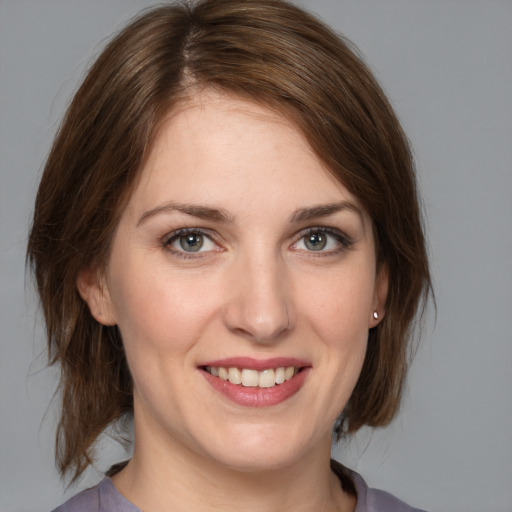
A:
<point x="104" y="497"/>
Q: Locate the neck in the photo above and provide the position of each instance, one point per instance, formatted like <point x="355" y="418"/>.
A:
<point x="185" y="481"/>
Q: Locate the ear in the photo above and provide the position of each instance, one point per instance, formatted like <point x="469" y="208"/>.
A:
<point x="380" y="295"/>
<point x="93" y="289"/>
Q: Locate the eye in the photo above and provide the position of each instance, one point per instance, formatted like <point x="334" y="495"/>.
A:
<point x="315" y="241"/>
<point x="186" y="242"/>
<point x="191" y="242"/>
<point x="325" y="240"/>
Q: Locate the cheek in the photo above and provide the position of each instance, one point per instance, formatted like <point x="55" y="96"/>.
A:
<point x="160" y="325"/>
<point x="339" y="307"/>
<point x="339" y="316"/>
<point x="161" y="313"/>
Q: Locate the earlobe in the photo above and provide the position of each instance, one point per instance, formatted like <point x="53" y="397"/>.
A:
<point x="93" y="289"/>
<point x="380" y="295"/>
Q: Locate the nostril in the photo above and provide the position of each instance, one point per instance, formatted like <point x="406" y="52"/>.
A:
<point x="259" y="307"/>
<point x="247" y="320"/>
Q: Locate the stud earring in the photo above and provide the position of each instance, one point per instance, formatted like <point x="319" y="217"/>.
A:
<point x="375" y="315"/>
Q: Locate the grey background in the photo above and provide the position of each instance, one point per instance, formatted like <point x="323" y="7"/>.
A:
<point x="447" y="67"/>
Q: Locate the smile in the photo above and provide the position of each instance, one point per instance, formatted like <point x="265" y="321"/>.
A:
<point x="253" y="378"/>
<point x="256" y="383"/>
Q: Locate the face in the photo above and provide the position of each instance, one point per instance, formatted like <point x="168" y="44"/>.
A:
<point x="243" y="280"/>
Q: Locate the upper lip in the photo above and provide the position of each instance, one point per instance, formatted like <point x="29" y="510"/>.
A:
<point x="256" y="364"/>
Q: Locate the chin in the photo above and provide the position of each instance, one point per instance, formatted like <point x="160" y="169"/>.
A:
<point x="257" y="461"/>
<point x="260" y="448"/>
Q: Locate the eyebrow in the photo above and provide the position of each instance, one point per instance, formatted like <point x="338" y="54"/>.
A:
<point x="324" y="210"/>
<point x="220" y="215"/>
<point x="201" y="212"/>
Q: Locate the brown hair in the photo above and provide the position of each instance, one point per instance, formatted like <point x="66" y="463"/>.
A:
<point x="268" y="51"/>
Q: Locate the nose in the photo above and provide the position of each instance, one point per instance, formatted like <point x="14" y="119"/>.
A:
<point x="260" y="307"/>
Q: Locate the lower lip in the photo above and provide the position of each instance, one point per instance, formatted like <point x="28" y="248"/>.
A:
<point x="254" y="396"/>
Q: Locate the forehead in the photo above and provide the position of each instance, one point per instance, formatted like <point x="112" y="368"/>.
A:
<point x="215" y="143"/>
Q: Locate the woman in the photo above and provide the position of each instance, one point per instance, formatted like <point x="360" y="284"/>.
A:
<point x="227" y="244"/>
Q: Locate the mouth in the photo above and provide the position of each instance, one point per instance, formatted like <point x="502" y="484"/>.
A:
<point x="256" y="383"/>
<point x="251" y="378"/>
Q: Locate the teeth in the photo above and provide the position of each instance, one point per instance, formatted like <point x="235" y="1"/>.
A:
<point x="235" y="376"/>
<point x="289" y="372"/>
<point x="267" y="379"/>
<point x="253" y="378"/>
<point x="249" y="378"/>
<point x="280" y="378"/>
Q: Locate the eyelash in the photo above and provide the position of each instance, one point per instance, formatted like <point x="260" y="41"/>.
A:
<point x="341" y="239"/>
<point x="344" y="242"/>
<point x="175" y="235"/>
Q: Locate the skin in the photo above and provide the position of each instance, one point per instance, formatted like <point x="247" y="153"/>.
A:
<point x="255" y="289"/>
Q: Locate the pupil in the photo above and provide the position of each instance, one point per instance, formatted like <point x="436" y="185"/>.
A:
<point x="192" y="242"/>
<point x="316" y="242"/>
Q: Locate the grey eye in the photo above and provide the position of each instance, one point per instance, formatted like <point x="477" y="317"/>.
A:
<point x="192" y="242"/>
<point x="315" y="241"/>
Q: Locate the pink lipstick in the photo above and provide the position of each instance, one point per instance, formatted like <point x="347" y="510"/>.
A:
<point x="256" y="382"/>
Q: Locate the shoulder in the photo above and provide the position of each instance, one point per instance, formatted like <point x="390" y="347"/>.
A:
<point x="375" y="500"/>
<point x="88" y="500"/>
<point x="369" y="499"/>
<point x="103" y="497"/>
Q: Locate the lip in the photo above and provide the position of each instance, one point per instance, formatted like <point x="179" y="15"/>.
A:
<point x="257" y="364"/>
<point x="255" y="396"/>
